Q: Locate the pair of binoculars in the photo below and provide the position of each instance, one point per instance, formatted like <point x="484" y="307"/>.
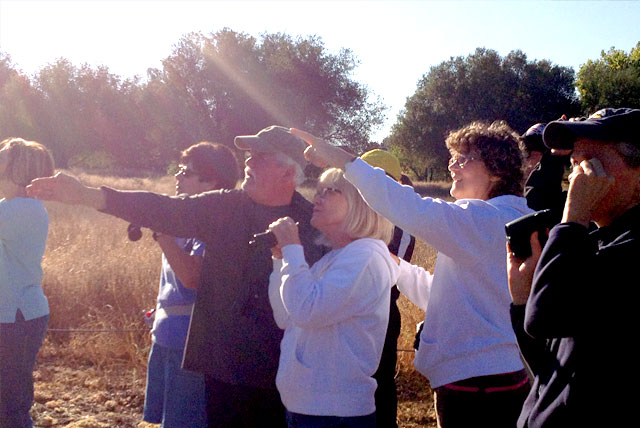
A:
<point x="519" y="231"/>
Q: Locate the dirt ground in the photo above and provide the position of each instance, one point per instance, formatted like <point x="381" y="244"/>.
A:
<point x="71" y="394"/>
<point x="76" y="394"/>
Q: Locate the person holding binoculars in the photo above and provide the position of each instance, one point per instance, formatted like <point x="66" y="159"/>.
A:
<point x="575" y="300"/>
<point x="334" y="313"/>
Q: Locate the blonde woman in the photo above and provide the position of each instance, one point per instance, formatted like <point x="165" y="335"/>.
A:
<point x="334" y="313"/>
<point x="24" y="310"/>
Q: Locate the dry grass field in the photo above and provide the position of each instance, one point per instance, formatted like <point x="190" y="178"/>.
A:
<point x="97" y="280"/>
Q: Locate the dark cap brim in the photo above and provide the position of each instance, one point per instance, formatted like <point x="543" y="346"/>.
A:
<point x="562" y="134"/>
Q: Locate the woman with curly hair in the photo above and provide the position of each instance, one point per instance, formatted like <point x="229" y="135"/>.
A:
<point x="24" y="310"/>
<point x="467" y="349"/>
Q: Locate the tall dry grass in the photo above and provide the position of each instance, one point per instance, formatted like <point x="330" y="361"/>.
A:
<point x="96" y="279"/>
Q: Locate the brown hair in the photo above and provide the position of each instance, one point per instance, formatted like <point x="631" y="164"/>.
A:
<point x="500" y="149"/>
<point x="27" y="160"/>
<point x="213" y="162"/>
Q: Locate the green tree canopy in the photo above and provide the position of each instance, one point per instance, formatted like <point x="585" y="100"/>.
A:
<point x="17" y="102"/>
<point x="86" y="111"/>
<point x="226" y="84"/>
<point x="482" y="86"/>
<point x="613" y="80"/>
<point x="210" y="88"/>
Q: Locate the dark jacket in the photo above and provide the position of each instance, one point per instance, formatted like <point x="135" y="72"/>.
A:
<point x="578" y="330"/>
<point x="233" y="336"/>
<point x="402" y="245"/>
<point x="543" y="188"/>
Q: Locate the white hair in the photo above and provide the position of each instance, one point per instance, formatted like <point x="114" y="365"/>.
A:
<point x="285" y="160"/>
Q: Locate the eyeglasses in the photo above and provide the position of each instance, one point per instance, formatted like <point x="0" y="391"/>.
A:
<point x="327" y="191"/>
<point x="460" y="160"/>
<point x="185" y="171"/>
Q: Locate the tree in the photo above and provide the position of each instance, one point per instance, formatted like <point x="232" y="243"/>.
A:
<point x="210" y="88"/>
<point x="89" y="112"/>
<point x="230" y="84"/>
<point x="613" y="80"/>
<point x="482" y="86"/>
<point x="17" y="98"/>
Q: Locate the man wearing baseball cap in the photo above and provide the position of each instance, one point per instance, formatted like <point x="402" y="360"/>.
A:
<point x="233" y="339"/>
<point x="545" y="171"/>
<point x="534" y="147"/>
<point x="576" y="327"/>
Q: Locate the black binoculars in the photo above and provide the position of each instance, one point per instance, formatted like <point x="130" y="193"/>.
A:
<point x="519" y="231"/>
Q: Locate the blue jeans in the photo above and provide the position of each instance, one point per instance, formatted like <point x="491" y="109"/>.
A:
<point x="174" y="397"/>
<point x="296" y="420"/>
<point x="19" y="345"/>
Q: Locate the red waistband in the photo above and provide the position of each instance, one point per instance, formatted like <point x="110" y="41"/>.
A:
<point x="500" y="383"/>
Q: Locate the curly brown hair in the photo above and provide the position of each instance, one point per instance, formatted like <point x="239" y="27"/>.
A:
<point x="501" y="151"/>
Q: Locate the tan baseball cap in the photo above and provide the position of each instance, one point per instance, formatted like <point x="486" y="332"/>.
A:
<point x="274" y="139"/>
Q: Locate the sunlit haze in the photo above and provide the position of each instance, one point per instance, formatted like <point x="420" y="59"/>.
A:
<point x="395" y="41"/>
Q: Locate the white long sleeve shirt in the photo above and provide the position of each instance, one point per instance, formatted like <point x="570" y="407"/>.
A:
<point x="335" y="317"/>
<point x="467" y="330"/>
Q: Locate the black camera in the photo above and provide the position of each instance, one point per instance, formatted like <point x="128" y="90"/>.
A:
<point x="519" y="231"/>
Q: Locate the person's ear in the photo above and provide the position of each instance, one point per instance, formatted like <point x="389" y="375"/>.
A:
<point x="289" y="172"/>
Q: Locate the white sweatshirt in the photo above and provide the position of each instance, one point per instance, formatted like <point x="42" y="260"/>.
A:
<point x="467" y="330"/>
<point x="335" y="317"/>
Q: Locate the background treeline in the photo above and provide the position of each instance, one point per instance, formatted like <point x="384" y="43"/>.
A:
<point x="485" y="86"/>
<point x="210" y="88"/>
<point x="217" y="86"/>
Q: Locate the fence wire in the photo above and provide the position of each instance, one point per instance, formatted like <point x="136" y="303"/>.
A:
<point x="128" y="330"/>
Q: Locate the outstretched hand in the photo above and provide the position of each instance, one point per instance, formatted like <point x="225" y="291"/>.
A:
<point x="321" y="153"/>
<point x="520" y="271"/>
<point x="66" y="189"/>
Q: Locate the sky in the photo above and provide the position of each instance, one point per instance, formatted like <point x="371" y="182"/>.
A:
<point x="396" y="42"/>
